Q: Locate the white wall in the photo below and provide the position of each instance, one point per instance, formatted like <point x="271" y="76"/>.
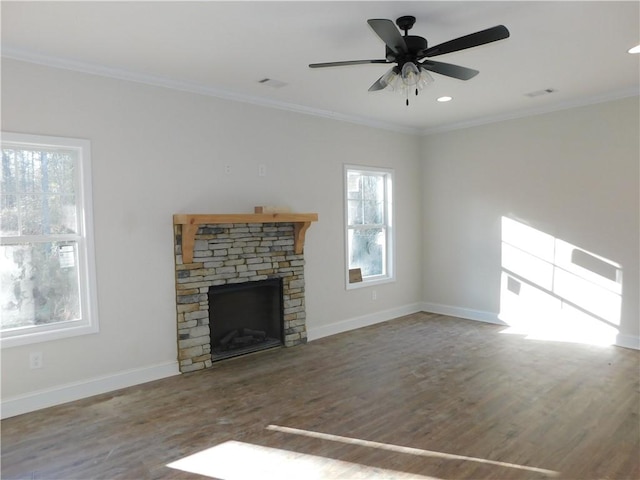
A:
<point x="572" y="174"/>
<point x="157" y="152"/>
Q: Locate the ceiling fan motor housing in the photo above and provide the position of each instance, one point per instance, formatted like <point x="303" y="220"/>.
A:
<point x="415" y="45"/>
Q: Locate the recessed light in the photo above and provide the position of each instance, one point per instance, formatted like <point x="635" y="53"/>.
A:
<point x="444" y="99"/>
<point x="635" y="49"/>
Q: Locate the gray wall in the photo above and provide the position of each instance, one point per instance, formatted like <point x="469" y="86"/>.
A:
<point x="572" y="174"/>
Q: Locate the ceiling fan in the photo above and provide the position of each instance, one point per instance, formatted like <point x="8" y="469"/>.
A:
<point x="407" y="52"/>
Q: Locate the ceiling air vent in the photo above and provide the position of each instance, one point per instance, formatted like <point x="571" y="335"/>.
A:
<point x="538" y="93"/>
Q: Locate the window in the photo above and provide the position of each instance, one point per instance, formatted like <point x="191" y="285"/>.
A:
<point x="47" y="274"/>
<point x="369" y="233"/>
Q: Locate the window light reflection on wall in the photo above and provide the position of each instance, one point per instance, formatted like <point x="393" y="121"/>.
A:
<point x="553" y="290"/>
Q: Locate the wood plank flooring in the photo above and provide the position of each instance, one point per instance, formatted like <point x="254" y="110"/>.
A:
<point x="422" y="396"/>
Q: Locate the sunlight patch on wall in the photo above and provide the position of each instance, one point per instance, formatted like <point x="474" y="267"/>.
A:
<point x="553" y="290"/>
<point x="245" y="461"/>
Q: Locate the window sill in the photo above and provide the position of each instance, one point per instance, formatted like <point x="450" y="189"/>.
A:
<point x="370" y="283"/>
<point x="28" y="338"/>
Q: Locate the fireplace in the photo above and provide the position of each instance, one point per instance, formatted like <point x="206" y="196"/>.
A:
<point x="232" y="254"/>
<point x="245" y="317"/>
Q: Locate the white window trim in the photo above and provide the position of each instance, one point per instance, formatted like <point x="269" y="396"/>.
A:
<point x="389" y="215"/>
<point x="86" y="251"/>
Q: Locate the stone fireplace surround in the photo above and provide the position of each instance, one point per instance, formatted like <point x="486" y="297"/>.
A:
<point x="252" y="247"/>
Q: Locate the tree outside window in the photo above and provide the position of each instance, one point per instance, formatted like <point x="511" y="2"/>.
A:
<point x="45" y="250"/>
<point x="368" y="199"/>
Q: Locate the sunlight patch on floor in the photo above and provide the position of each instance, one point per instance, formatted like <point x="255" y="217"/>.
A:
<point x="245" y="461"/>
<point x="407" y="450"/>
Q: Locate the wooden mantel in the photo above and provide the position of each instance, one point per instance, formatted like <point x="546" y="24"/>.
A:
<point x="191" y="222"/>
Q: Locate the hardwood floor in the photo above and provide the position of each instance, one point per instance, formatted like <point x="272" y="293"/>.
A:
<point x="423" y="396"/>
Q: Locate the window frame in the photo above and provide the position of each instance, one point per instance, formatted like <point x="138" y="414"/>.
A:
<point x="88" y="322"/>
<point x="388" y="211"/>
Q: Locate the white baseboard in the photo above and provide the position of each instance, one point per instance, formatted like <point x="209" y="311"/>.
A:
<point x="628" y="341"/>
<point x="78" y="390"/>
<point x="466" y="313"/>
<point x="18" y="405"/>
<point x="314" y="333"/>
<point x="622" y="340"/>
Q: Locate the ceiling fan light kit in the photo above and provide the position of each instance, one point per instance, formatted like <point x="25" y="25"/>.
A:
<point x="406" y="80"/>
<point x="410" y="73"/>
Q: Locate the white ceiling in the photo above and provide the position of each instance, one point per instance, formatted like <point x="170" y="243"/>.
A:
<point x="225" y="48"/>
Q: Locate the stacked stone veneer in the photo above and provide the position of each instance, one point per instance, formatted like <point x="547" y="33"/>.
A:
<point x="235" y="253"/>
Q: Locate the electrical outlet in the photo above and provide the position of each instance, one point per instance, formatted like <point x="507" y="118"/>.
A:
<point x="262" y="170"/>
<point x="35" y="360"/>
<point x="227" y="169"/>
<point x="374" y="295"/>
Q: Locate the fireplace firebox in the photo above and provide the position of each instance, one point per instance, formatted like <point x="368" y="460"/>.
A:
<point x="245" y="317"/>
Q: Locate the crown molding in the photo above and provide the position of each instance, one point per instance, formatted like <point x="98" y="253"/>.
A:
<point x="191" y="87"/>
<point x="196" y="88"/>
<point x="580" y="102"/>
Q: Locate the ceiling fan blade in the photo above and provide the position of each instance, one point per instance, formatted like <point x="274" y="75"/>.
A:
<point x="380" y="84"/>
<point x="389" y="34"/>
<point x="449" y="70"/>
<point x="489" y="35"/>
<point x="348" y="62"/>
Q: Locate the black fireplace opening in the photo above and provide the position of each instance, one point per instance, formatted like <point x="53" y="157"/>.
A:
<point x="245" y="317"/>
